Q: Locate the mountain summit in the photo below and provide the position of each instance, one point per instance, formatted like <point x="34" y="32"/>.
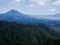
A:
<point x="14" y="12"/>
<point x="14" y="15"/>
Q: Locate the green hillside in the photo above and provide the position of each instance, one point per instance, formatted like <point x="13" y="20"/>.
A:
<point x="12" y="33"/>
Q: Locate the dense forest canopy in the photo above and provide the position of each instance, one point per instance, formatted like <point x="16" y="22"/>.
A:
<point x="12" y="33"/>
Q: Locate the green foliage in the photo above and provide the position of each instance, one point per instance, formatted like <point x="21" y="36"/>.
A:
<point x="12" y="33"/>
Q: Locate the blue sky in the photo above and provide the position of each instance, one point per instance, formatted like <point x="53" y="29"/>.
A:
<point x="31" y="7"/>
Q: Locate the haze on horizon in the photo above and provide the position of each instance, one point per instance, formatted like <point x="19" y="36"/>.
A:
<point x="31" y="7"/>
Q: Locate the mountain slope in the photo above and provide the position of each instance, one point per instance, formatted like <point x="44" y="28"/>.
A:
<point x="14" y="15"/>
<point x="33" y="34"/>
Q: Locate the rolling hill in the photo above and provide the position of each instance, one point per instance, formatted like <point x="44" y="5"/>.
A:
<point x="12" y="33"/>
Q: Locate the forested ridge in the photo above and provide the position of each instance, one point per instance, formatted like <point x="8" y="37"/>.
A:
<point x="12" y="33"/>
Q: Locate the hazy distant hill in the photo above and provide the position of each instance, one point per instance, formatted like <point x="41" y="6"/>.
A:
<point x="14" y="15"/>
<point x="48" y="17"/>
<point x="52" y="21"/>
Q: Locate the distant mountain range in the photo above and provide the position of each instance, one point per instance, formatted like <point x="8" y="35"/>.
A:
<point x="49" y="17"/>
<point x="16" y="16"/>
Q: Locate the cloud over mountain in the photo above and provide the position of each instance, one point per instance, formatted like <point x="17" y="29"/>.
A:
<point x="41" y="2"/>
<point x="34" y="7"/>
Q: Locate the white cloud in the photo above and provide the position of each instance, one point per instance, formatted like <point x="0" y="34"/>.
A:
<point x="31" y="5"/>
<point x="12" y="1"/>
<point x="53" y="11"/>
<point x="18" y="1"/>
<point x="57" y="2"/>
<point x="41" y="2"/>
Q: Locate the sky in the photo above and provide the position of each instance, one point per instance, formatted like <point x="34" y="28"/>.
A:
<point x="31" y="7"/>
